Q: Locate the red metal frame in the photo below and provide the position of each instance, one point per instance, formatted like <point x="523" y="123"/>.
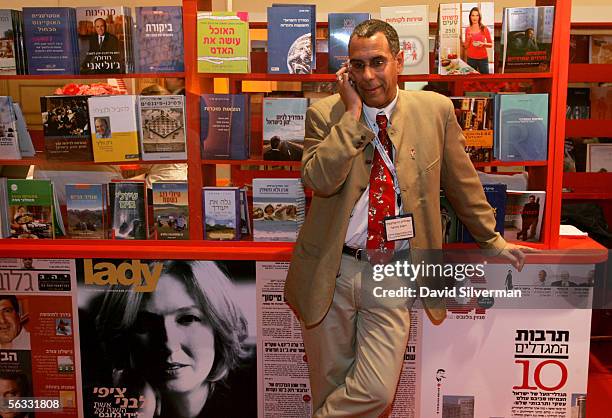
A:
<point x="203" y="172"/>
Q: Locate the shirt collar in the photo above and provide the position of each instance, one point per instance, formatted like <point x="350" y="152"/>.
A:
<point x="371" y="112"/>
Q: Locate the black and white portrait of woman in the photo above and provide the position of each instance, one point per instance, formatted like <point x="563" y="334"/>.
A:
<point x="184" y="350"/>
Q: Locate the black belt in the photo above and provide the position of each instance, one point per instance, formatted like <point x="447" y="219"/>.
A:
<point x="357" y="253"/>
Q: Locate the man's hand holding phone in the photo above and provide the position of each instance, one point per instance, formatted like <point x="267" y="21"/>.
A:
<point x="348" y="93"/>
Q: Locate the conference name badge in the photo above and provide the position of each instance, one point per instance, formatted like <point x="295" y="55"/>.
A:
<point x="399" y="227"/>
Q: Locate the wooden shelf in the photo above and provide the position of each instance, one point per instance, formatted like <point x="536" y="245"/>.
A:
<point x="590" y="73"/>
<point x="41" y="160"/>
<point x="88" y="76"/>
<point x="588" y="127"/>
<point x="402" y="78"/>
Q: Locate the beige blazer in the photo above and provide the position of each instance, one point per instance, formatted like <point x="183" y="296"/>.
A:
<point x="336" y="165"/>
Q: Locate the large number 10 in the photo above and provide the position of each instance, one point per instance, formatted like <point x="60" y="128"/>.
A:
<point x="537" y="374"/>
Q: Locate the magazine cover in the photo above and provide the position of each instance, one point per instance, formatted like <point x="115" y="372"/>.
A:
<point x="477" y="32"/>
<point x="283" y="128"/>
<point x="161" y="336"/>
<point x="104" y="39"/>
<point x="162" y="127"/>
<point x="38" y="357"/>
<point x="66" y="128"/>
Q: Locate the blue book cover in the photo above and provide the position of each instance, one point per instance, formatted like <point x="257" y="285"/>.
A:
<point x="86" y="209"/>
<point x="50" y="40"/>
<point x="224" y="126"/>
<point x="496" y="196"/>
<point x="291" y="39"/>
<point x="159" y="39"/>
<point x="283" y="128"/>
<point x="221" y="206"/>
<point x="341" y="26"/>
<point x="523" y="127"/>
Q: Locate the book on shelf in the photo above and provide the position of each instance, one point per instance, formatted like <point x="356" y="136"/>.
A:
<point x="9" y="141"/>
<point x="26" y="146"/>
<point x="449" y="220"/>
<point x="475" y="116"/>
<point x="9" y="30"/>
<point x="599" y="158"/>
<point x="412" y="26"/>
<point x="225" y="126"/>
<point x="223" y="44"/>
<point x="601" y="102"/>
<point x="600" y="49"/>
<point x="65" y="121"/>
<point x="283" y="128"/>
<point x="291" y="39"/>
<point x="161" y="127"/>
<point x="128" y="209"/>
<point x="50" y="40"/>
<point x="158" y="46"/>
<point x="105" y="40"/>
<point x="527" y="39"/>
<point x="448" y="41"/>
<point x="221" y="206"/>
<point x="114" y="122"/>
<point x="171" y="210"/>
<point x="245" y="213"/>
<point x="86" y="206"/>
<point x="524" y="215"/>
<point x="278" y="209"/>
<point x="341" y="27"/>
<point x="521" y="132"/>
<point x="475" y="51"/>
<point x="30" y="208"/>
<point x="496" y="196"/>
<point x="579" y="49"/>
<point x="578" y="103"/>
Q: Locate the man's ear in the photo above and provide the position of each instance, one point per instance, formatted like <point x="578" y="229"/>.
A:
<point x="399" y="59"/>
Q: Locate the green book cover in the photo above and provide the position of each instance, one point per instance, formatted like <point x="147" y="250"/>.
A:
<point x="30" y="204"/>
<point x="223" y="42"/>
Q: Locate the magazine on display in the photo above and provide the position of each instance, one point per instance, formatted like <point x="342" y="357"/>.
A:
<point x="133" y="312"/>
<point x="38" y="354"/>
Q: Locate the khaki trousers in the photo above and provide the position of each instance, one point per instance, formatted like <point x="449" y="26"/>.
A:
<point x="355" y="354"/>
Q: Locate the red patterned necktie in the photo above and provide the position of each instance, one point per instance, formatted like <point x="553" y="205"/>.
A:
<point x="381" y="200"/>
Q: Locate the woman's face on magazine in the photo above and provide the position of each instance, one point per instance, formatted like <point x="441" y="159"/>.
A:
<point x="174" y="343"/>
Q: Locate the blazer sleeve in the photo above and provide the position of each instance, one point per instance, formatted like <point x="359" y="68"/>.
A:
<point x="463" y="188"/>
<point x="329" y="150"/>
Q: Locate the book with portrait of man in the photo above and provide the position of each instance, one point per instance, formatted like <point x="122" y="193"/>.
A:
<point x="104" y="36"/>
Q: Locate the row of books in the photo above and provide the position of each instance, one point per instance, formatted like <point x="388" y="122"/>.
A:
<point x="589" y="103"/>
<point x="590" y="49"/>
<point x="507" y="127"/>
<point x="91" y="40"/>
<point x="518" y="215"/>
<point x="460" y="48"/>
<point x="114" y="128"/>
<point x="121" y="210"/>
<point x="15" y="140"/>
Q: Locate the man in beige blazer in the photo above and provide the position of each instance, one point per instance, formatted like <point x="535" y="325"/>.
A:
<point x="355" y="352"/>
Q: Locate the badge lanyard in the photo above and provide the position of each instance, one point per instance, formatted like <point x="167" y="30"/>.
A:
<point x="385" y="157"/>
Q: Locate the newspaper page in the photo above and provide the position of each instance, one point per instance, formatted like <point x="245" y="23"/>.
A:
<point x="168" y="338"/>
<point x="511" y="361"/>
<point x="37" y="334"/>
<point x="282" y="369"/>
